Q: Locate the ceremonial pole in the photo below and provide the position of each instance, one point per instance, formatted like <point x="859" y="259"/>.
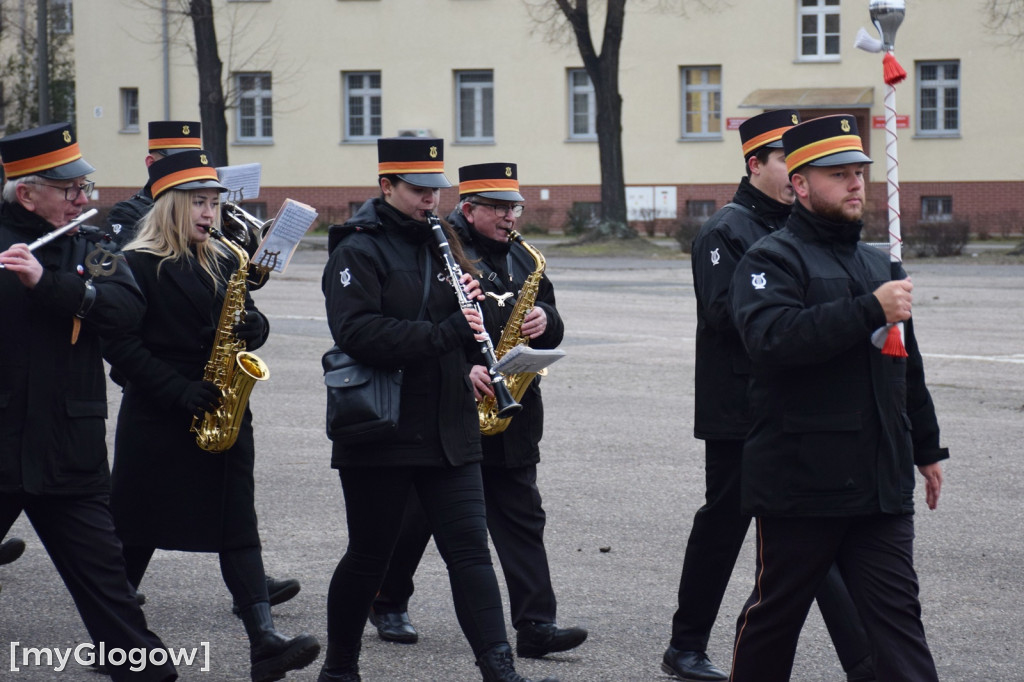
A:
<point x="887" y="15"/>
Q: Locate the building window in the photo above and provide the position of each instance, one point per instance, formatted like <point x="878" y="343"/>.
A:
<point x="475" y="106"/>
<point x="702" y="102"/>
<point x="582" y="106"/>
<point x="61" y="17"/>
<point x="938" y="99"/>
<point x="257" y="209"/>
<point x="700" y="209"/>
<point x="818" y="30"/>
<point x="255" y="114"/>
<point x="937" y="209"/>
<point x="362" y="105"/>
<point x="129" y="110"/>
<point x="353" y="207"/>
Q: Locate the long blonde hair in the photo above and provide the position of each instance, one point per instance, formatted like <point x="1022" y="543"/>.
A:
<point x="166" y="230"/>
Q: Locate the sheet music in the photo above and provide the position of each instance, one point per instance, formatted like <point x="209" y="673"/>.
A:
<point x="522" y="358"/>
<point x="243" y="182"/>
<point x="290" y="224"/>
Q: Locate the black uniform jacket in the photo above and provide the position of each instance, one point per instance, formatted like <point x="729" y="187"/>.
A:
<point x="167" y="492"/>
<point x="124" y="217"/>
<point x="505" y="267"/>
<point x="838" y="427"/>
<point x="722" y="371"/>
<point x="373" y="285"/>
<point x="53" y="393"/>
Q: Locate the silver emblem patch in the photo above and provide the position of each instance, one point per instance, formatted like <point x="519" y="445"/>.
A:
<point x="346" y="277"/>
<point x="758" y="280"/>
<point x="716" y="257"/>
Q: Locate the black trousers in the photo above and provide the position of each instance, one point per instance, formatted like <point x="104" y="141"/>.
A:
<point x="453" y="502"/>
<point x="875" y="557"/>
<point x="515" y="519"/>
<point x="716" y="538"/>
<point x="78" y="534"/>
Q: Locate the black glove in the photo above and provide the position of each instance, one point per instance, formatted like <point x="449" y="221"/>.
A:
<point x="199" y="397"/>
<point x="251" y="328"/>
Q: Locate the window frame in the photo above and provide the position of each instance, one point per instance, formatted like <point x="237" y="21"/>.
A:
<point x="821" y="10"/>
<point x="941" y="86"/>
<point x="128" y="125"/>
<point x="590" y="94"/>
<point x="707" y="111"/>
<point x="259" y="96"/>
<point x="942" y="203"/>
<point x="62" y="17"/>
<point x="366" y="94"/>
<point x="479" y="90"/>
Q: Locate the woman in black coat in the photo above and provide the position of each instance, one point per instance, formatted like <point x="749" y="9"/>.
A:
<point x="167" y="492"/>
<point x="390" y="303"/>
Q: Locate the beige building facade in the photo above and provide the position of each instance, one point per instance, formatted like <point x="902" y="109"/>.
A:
<point x="313" y="83"/>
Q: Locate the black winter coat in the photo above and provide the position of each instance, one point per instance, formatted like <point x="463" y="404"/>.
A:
<point x="125" y="216"/>
<point x="838" y="427"/>
<point x="53" y="402"/>
<point x="167" y="492"/>
<point x="518" y="445"/>
<point x="373" y="285"/>
<point x="722" y="372"/>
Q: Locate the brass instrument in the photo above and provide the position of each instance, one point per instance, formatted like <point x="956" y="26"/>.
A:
<point x="231" y="367"/>
<point x="491" y="422"/>
<point x="247" y="231"/>
<point x="506" y="405"/>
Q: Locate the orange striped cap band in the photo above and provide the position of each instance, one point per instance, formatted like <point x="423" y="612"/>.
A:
<point x="42" y="162"/>
<point x="764" y="138"/>
<point x="489" y="185"/>
<point x="822" y="148"/>
<point x="399" y="167"/>
<point x="175" y="143"/>
<point x="172" y="180"/>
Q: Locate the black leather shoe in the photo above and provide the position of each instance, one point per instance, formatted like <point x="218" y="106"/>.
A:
<point x="539" y="639"/>
<point x="11" y="549"/>
<point x="279" y="591"/>
<point x="394" y="627"/>
<point x="496" y="666"/>
<point x="691" y="666"/>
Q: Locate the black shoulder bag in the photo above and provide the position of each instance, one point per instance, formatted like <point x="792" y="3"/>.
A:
<point x="362" y="400"/>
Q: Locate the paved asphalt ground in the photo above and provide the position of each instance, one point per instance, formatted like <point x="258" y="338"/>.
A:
<point x="621" y="477"/>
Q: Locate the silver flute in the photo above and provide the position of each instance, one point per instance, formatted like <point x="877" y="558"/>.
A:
<point x="50" y="236"/>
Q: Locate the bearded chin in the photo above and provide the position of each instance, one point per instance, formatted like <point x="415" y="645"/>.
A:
<point x="835" y="213"/>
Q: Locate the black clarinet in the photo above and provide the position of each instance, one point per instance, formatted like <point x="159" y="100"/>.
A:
<point x="506" y="404"/>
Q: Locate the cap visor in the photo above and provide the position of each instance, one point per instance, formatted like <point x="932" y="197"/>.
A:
<point x="76" y="169"/>
<point x="432" y="180"/>
<point x="176" y="150"/>
<point x="201" y="184"/>
<point x="842" y="158"/>
<point x="502" y="196"/>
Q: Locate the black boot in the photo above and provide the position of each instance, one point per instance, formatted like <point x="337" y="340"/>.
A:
<point x="271" y="653"/>
<point x="279" y="591"/>
<point x="340" y="665"/>
<point x="496" y="666"/>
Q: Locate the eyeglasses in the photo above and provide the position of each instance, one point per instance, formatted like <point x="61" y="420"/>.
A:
<point x="70" y="193"/>
<point x="502" y="210"/>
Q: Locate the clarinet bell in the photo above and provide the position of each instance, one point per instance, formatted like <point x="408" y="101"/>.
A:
<point x="506" y="404"/>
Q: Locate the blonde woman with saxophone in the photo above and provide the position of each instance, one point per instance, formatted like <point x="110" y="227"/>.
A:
<point x="167" y="491"/>
<point x="512" y="277"/>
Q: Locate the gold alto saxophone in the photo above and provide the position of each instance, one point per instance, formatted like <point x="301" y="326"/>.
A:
<point x="232" y="368"/>
<point x="490" y="422"/>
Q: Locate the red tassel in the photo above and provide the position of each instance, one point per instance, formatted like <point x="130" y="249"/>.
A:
<point x="894" y="343"/>
<point x="891" y="69"/>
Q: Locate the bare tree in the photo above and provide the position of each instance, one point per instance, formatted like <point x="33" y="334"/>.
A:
<point x="558" y="16"/>
<point x="212" y="105"/>
<point x="1005" y="18"/>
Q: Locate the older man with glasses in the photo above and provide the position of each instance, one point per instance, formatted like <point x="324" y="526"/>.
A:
<point x="59" y="301"/>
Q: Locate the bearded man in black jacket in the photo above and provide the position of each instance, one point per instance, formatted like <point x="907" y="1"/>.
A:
<point x="838" y="424"/>
<point x="761" y="205"/>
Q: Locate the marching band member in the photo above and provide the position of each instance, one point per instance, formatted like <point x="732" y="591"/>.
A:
<point x="489" y="204"/>
<point x="383" y="267"/>
<point x="53" y="455"/>
<point x="168" y="493"/>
